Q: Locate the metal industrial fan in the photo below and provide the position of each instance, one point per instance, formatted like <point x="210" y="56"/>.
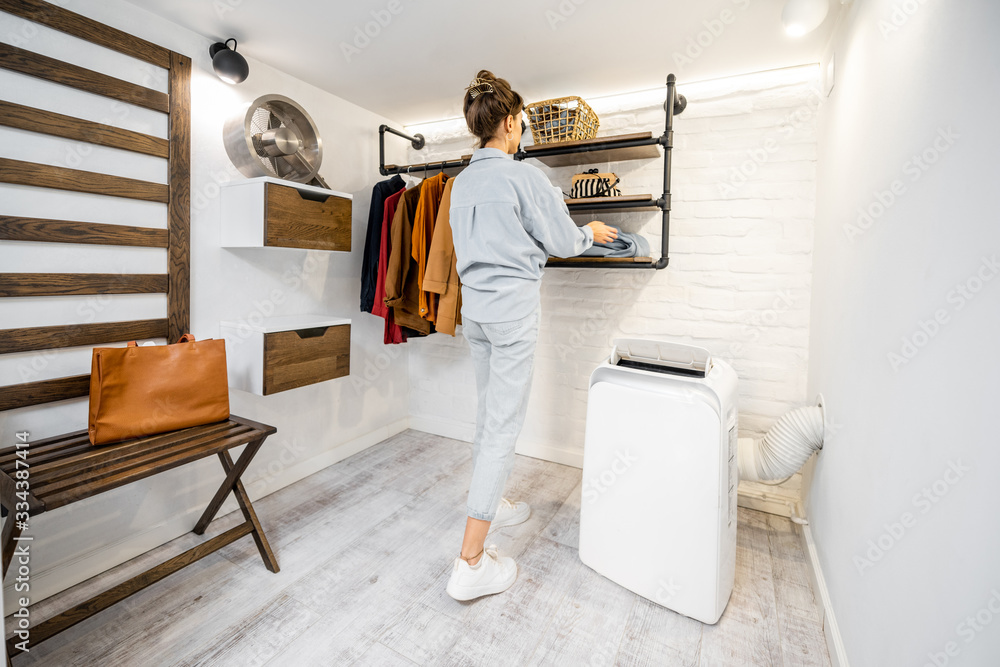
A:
<point x="275" y="137"/>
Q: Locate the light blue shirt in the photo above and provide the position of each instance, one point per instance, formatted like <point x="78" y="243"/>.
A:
<point x="506" y="219"/>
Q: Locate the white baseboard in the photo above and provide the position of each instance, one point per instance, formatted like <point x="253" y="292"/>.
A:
<point x="547" y="452"/>
<point x="48" y="582"/>
<point x="525" y="446"/>
<point x="257" y="489"/>
<point x="834" y="642"/>
<point x="444" y="427"/>
<point x="776" y="499"/>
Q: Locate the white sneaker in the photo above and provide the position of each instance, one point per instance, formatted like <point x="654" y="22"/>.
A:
<point x="492" y="574"/>
<point x="510" y="514"/>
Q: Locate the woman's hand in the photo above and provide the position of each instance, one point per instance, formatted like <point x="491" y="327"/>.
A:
<point x="602" y="233"/>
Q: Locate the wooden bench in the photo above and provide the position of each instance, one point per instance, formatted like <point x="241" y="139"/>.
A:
<point x="67" y="468"/>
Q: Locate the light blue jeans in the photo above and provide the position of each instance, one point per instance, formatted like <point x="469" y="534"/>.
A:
<point x="503" y="355"/>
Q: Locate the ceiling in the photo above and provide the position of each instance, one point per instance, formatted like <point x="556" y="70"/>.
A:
<point x="417" y="57"/>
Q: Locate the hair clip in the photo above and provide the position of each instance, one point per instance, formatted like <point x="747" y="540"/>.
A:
<point x="474" y="91"/>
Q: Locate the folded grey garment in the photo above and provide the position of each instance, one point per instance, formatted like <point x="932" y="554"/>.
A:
<point x="626" y="245"/>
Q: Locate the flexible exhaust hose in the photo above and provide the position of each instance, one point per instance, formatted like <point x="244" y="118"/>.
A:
<point x="785" y="447"/>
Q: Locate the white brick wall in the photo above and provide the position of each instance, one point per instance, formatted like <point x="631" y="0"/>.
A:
<point x="740" y="268"/>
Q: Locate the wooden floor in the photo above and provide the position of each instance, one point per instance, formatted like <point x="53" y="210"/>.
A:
<point x="366" y="547"/>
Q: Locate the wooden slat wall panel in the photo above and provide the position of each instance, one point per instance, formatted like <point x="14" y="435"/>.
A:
<point x="46" y="391"/>
<point x="68" y="127"/>
<point x="175" y="194"/>
<point x="87" y="29"/>
<point x="179" y="206"/>
<point x="13" y="228"/>
<point x="56" y="71"/>
<point x="61" y="178"/>
<point x="61" y="284"/>
<point x="71" y="335"/>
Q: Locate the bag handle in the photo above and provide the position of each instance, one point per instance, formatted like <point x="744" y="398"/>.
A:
<point x="186" y="338"/>
<point x="603" y="186"/>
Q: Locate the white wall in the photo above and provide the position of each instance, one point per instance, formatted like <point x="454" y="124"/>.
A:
<point x="317" y="425"/>
<point x="908" y="574"/>
<point x="739" y="277"/>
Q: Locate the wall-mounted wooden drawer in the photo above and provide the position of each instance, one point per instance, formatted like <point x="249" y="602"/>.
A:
<point x="283" y="353"/>
<point x="305" y="356"/>
<point x="268" y="212"/>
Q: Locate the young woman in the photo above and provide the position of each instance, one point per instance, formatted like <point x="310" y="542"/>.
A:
<point x="506" y="219"/>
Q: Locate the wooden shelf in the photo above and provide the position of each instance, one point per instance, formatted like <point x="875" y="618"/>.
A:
<point x="610" y="262"/>
<point x="637" y="146"/>
<point x="623" y="204"/>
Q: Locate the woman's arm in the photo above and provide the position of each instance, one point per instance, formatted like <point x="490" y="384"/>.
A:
<point x="546" y="217"/>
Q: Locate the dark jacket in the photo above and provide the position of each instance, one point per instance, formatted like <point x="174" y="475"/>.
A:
<point x="373" y="238"/>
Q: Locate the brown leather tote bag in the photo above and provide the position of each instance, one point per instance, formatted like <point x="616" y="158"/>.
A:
<point x="140" y="391"/>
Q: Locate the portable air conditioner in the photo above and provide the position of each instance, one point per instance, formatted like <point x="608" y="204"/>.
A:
<point x="658" y="512"/>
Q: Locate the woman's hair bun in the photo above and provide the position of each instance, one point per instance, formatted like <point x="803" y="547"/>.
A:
<point x="488" y="100"/>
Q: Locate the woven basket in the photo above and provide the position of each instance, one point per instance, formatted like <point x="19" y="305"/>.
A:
<point x="562" y="119"/>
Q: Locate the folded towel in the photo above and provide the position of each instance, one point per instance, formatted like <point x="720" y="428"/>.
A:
<point x="626" y="245"/>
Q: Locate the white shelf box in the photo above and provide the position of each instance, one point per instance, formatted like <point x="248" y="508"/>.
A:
<point x="269" y="212"/>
